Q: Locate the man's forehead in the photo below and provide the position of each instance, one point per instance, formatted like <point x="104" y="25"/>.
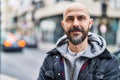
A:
<point x="75" y="7"/>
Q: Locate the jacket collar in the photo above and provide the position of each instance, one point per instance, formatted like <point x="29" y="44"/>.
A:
<point x="106" y="54"/>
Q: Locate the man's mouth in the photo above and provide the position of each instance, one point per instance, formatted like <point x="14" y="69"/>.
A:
<point x="76" y="31"/>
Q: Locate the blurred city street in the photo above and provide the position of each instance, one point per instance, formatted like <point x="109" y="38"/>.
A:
<point x="23" y="65"/>
<point x="33" y="27"/>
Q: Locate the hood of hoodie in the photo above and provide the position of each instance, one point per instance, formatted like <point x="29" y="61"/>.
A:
<point x="97" y="45"/>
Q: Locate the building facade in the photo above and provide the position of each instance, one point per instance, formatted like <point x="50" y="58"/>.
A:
<point x="106" y="15"/>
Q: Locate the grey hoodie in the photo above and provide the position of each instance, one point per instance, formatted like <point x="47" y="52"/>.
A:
<point x="72" y="61"/>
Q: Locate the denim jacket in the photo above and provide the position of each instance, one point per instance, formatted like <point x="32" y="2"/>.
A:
<point x="102" y="67"/>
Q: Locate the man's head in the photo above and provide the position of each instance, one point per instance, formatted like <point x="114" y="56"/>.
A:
<point x="76" y="22"/>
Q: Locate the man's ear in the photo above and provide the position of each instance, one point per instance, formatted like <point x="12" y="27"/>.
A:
<point x="62" y="23"/>
<point x="91" y="23"/>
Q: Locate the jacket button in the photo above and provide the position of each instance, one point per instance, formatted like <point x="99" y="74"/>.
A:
<point x="59" y="74"/>
<point x="56" y="56"/>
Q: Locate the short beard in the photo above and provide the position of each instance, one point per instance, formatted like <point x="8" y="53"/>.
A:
<point x="75" y="40"/>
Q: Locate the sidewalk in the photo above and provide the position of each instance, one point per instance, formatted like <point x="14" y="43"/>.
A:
<point x="6" y="77"/>
<point x="112" y="48"/>
<point x="46" y="46"/>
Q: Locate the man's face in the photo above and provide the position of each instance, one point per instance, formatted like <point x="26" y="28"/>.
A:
<point x="76" y="24"/>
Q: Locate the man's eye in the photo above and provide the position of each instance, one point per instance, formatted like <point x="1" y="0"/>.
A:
<point x="81" y="18"/>
<point x="69" y="19"/>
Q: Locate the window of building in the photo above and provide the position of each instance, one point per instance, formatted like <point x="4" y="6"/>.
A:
<point x="111" y="31"/>
<point x="47" y="28"/>
<point x="115" y="4"/>
<point x="95" y="0"/>
<point x="51" y="29"/>
<point x="63" y="0"/>
<point x="38" y="4"/>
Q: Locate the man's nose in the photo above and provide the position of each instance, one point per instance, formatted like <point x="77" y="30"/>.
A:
<point x="76" y="22"/>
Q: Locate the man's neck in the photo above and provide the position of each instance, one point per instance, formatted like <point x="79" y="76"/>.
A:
<point x="78" y="48"/>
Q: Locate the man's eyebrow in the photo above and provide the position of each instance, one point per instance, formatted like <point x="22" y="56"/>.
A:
<point x="82" y="16"/>
<point x="69" y="16"/>
<point x="78" y="16"/>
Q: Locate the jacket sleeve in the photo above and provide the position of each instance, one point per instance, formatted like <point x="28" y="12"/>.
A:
<point x="113" y="70"/>
<point x="46" y="70"/>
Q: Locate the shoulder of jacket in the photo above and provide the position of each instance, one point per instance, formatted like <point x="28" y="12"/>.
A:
<point x="106" y="55"/>
<point x="53" y="52"/>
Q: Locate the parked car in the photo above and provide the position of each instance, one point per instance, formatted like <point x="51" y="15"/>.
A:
<point x="11" y="41"/>
<point x="117" y="53"/>
<point x="30" y="40"/>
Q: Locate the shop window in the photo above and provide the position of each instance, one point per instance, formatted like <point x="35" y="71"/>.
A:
<point x="51" y="29"/>
<point x="47" y="28"/>
<point x="111" y="31"/>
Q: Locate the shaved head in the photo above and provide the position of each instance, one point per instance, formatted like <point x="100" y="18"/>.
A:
<point x="75" y="6"/>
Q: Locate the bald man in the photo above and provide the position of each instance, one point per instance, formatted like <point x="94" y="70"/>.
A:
<point x="79" y="54"/>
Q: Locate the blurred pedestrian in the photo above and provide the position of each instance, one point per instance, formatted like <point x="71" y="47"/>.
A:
<point x="79" y="54"/>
